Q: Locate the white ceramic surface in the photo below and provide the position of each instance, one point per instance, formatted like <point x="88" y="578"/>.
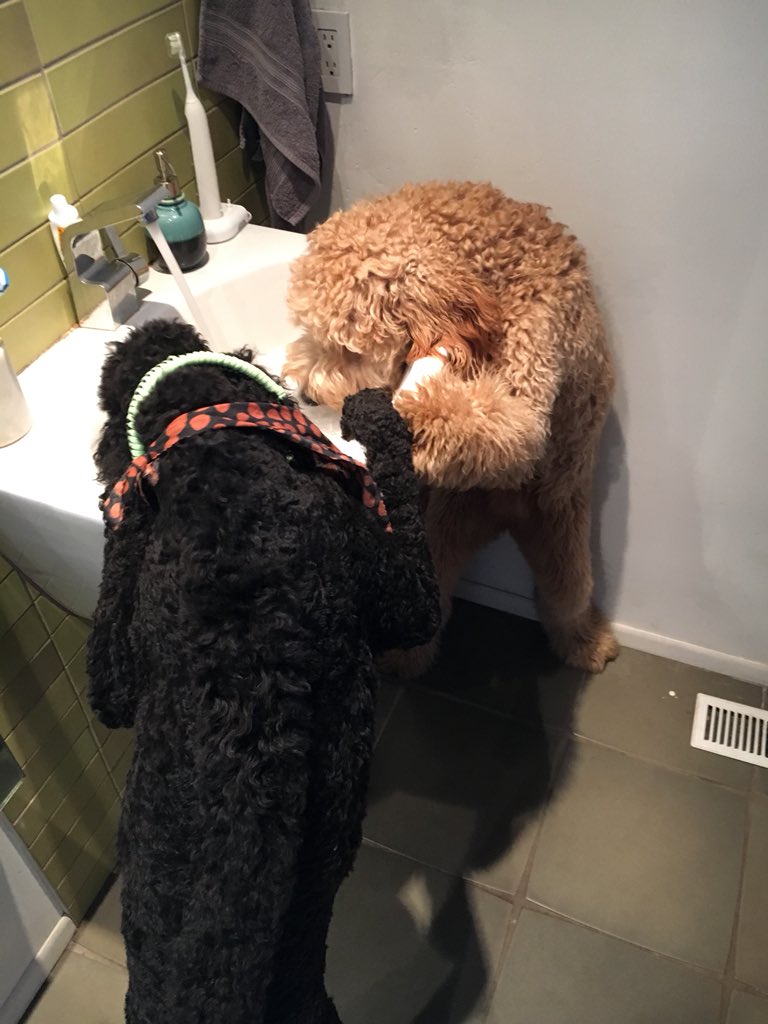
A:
<point x="50" y="524"/>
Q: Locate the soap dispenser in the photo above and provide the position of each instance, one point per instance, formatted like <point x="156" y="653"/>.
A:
<point x="179" y="220"/>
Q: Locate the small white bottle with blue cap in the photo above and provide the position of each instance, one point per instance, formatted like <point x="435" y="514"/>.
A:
<point x="15" y="419"/>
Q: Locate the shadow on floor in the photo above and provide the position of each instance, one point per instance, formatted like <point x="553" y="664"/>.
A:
<point x="470" y="756"/>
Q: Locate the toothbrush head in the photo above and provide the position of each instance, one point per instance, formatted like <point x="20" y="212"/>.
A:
<point x="176" y="45"/>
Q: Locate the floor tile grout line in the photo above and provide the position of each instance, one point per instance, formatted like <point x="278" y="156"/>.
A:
<point x="510" y="716"/>
<point x="545" y="911"/>
<point x="77" y="949"/>
<point x="388" y="716"/>
<point x="729" y="974"/>
<point x="742" y="791"/>
<point x="519" y="897"/>
<point x="469" y="883"/>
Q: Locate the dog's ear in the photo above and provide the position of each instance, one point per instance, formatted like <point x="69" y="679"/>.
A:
<point x="452" y="309"/>
<point x="112" y="663"/>
<point x="129" y="360"/>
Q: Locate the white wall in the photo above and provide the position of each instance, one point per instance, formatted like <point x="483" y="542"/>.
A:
<point x="645" y="127"/>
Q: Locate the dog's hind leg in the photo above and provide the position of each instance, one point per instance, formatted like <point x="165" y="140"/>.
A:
<point x="554" y="537"/>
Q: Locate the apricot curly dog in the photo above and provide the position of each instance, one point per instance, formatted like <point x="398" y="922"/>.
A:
<point x="505" y="435"/>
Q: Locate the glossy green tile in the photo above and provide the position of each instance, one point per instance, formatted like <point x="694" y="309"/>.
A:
<point x="90" y="891"/>
<point x="140" y="173"/>
<point x="254" y="200"/>
<point x="10" y="775"/>
<point x="192" y="15"/>
<point x="223" y="122"/>
<point x="25" y="192"/>
<point x="60" y="28"/>
<point x="30" y="333"/>
<point x="51" y="613"/>
<point x="20" y="645"/>
<point x="57" y="867"/>
<point x="95" y="793"/>
<point x="116" y="744"/>
<point x="21" y="797"/>
<point x="30" y="689"/>
<point x="39" y="735"/>
<point x="18" y="53"/>
<point x="14" y="601"/>
<point x="95" y="856"/>
<point x="235" y="175"/>
<point x="100" y="732"/>
<point x="26" y="120"/>
<point x="77" y="671"/>
<point x="748" y="1009"/>
<point x="95" y="78"/>
<point x="30" y="822"/>
<point x="45" y="845"/>
<point x="70" y="636"/>
<point x="71" y="808"/>
<point x="110" y="141"/>
<point x="33" y="268"/>
<point x="120" y="771"/>
<point x="50" y="718"/>
<point x="5" y="567"/>
<point x="208" y="97"/>
<point x="67" y="778"/>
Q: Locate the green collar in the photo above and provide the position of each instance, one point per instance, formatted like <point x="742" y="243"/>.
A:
<point x="152" y="378"/>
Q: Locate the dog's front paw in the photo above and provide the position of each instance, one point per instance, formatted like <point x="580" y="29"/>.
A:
<point x="369" y="415"/>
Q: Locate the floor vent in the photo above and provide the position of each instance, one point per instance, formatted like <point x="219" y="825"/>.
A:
<point x="731" y="729"/>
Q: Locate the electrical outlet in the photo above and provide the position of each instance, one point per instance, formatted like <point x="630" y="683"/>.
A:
<point x="335" y="51"/>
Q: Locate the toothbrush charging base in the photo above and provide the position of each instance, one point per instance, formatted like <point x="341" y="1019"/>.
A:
<point x="232" y="220"/>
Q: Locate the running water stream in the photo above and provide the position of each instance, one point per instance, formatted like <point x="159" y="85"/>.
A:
<point x="199" y="321"/>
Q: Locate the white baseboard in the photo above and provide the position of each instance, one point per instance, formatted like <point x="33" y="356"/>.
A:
<point x="692" y="654"/>
<point x="28" y="985"/>
<point x="639" y="639"/>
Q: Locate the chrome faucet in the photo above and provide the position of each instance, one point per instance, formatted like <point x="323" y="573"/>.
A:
<point x="94" y="253"/>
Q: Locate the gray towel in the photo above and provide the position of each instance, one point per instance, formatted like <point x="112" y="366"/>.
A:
<point x="265" y="54"/>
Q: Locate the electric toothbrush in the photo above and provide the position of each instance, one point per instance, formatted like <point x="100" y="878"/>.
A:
<point x="222" y="221"/>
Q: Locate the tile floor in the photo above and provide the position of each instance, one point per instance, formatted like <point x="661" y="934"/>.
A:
<point x="540" y="849"/>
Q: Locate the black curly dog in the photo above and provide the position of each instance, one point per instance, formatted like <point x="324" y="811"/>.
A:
<point x="242" y="601"/>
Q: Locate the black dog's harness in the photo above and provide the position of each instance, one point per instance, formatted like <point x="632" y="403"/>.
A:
<point x="282" y="419"/>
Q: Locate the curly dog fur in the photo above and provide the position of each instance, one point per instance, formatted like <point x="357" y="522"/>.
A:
<point x="240" y="608"/>
<point x="506" y="435"/>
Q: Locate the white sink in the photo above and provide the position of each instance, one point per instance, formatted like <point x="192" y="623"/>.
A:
<point x="50" y="524"/>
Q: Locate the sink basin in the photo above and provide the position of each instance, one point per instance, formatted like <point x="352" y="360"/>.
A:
<point x="50" y="524"/>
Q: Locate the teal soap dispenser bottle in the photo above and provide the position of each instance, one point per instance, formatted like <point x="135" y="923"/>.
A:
<point x="180" y="221"/>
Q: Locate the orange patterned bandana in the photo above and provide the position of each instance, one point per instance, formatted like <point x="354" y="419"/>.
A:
<point x="281" y="419"/>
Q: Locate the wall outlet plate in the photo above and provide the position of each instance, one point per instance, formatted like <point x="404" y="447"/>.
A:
<point x="335" y="51"/>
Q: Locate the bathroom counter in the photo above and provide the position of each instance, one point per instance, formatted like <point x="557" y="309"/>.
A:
<point x="50" y="523"/>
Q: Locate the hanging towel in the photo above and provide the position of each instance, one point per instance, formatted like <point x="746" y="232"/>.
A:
<point x="265" y="54"/>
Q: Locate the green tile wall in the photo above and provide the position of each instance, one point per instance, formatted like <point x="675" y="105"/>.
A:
<point x="67" y="806"/>
<point x="87" y="92"/>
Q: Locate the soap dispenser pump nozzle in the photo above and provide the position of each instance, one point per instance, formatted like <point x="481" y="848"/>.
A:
<point x="166" y="174"/>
